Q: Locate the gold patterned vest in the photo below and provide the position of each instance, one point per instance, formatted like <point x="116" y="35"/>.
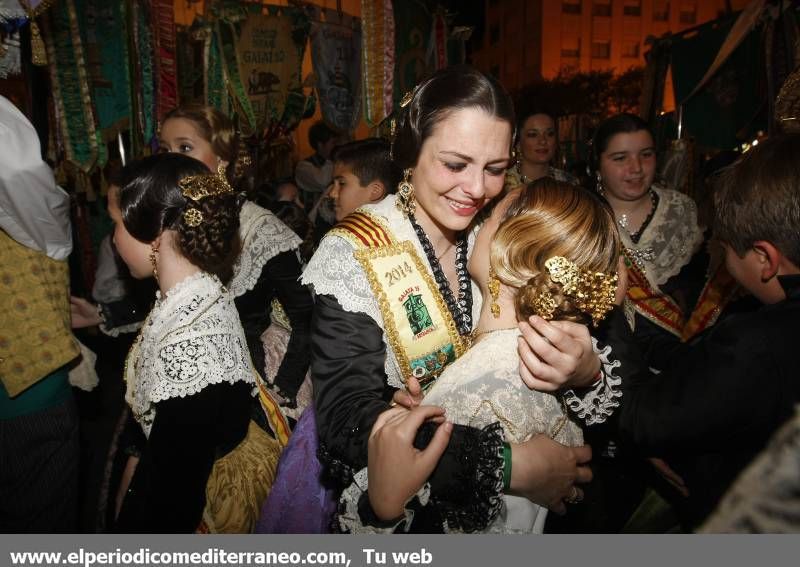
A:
<point x="35" y="333"/>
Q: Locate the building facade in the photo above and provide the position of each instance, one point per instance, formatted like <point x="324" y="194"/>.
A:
<point x="525" y="41"/>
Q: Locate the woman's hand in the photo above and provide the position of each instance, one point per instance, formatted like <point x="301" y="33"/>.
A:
<point x="555" y="355"/>
<point x="546" y="472"/>
<point x="84" y="314"/>
<point x="397" y="470"/>
<point x="409" y="398"/>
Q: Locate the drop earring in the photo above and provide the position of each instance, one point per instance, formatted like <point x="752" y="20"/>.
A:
<point x="494" y="292"/>
<point x="154" y="260"/>
<point x="405" y="195"/>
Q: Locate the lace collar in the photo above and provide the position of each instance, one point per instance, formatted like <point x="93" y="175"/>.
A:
<point x="670" y="239"/>
<point x="263" y="237"/>
<point x="333" y="270"/>
<point x="191" y="339"/>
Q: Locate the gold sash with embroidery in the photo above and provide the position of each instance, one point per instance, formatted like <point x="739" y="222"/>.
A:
<point x="421" y="330"/>
<point x="718" y="291"/>
<point x="650" y="303"/>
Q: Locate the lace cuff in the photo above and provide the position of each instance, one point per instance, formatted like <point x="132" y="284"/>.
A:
<point x="478" y="494"/>
<point x="596" y="404"/>
<point x="356" y="515"/>
<point x="122" y="329"/>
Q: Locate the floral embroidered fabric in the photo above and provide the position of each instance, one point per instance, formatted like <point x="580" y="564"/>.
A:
<point x="191" y="339"/>
<point x="669" y="240"/>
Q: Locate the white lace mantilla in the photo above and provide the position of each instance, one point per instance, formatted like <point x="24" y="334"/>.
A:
<point x="484" y="387"/>
<point x="263" y="237"/>
<point x="191" y="339"/>
<point x="333" y="270"/>
<point x="600" y="401"/>
<point x="670" y="239"/>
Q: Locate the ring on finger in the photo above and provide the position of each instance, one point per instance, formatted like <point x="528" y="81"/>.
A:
<point x="574" y="496"/>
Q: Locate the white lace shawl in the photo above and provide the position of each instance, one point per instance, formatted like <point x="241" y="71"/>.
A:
<point x="484" y="386"/>
<point x="263" y="237"/>
<point x="191" y="339"/>
<point x="334" y="271"/>
<point x="670" y="239"/>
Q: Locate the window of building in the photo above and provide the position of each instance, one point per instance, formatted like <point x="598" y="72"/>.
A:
<point x="630" y="49"/>
<point x="632" y="8"/>
<point x="494" y="34"/>
<point x="571" y="6"/>
<point x="601" y="49"/>
<point x="661" y="10"/>
<point x="601" y="8"/>
<point x="688" y="13"/>
<point x="571" y="47"/>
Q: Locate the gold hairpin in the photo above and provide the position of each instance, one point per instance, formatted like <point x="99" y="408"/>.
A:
<point x="198" y="187"/>
<point x="407" y="98"/>
<point x="592" y="292"/>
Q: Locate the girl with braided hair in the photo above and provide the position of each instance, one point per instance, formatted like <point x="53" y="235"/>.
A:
<point x="204" y="466"/>
<point x="266" y="274"/>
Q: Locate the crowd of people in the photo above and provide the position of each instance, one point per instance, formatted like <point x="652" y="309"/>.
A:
<point x="438" y="332"/>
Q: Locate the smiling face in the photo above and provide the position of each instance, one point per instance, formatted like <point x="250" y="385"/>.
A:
<point x="628" y="165"/>
<point x="181" y="135"/>
<point x="461" y="167"/>
<point x="538" y="139"/>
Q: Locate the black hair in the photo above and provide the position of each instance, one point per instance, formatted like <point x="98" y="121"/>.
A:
<point x="319" y="133"/>
<point x="151" y="202"/>
<point x="369" y="160"/>
<point x="448" y="90"/>
<point x="618" y="124"/>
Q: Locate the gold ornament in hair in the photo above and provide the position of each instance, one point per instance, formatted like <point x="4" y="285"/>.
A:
<point x="197" y="187"/>
<point x="591" y="292"/>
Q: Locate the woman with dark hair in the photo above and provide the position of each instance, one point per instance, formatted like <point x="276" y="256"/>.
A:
<point x="203" y="464"/>
<point x="537" y="146"/>
<point x="395" y="305"/>
<point x="268" y="267"/>
<point x="549" y="249"/>
<point x="660" y="234"/>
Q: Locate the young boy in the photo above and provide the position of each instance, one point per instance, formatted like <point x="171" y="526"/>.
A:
<point x="363" y="173"/>
<point x="715" y="407"/>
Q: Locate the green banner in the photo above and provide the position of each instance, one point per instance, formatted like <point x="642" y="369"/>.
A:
<point x="725" y="112"/>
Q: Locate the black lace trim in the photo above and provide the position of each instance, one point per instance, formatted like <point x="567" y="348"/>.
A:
<point x="481" y="480"/>
<point x="460" y="309"/>
<point x="636" y="236"/>
<point x="334" y="470"/>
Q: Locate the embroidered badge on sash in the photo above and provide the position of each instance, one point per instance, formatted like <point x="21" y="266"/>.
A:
<point x="420" y="329"/>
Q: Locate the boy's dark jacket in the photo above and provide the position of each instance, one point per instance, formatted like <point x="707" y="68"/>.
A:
<point x="718" y="400"/>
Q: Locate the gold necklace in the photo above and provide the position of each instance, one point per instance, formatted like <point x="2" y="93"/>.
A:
<point x="476" y="334"/>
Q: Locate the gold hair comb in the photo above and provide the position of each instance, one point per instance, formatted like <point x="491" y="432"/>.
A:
<point x="198" y="187"/>
<point x="592" y="292"/>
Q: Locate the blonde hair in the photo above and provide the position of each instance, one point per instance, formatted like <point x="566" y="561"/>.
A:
<point x="218" y="130"/>
<point x="550" y="218"/>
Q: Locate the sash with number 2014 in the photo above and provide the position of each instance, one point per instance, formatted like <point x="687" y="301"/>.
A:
<point x="420" y="329"/>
